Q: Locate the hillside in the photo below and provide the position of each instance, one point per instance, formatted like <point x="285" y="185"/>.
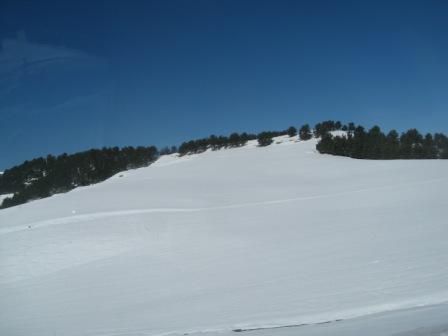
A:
<point x="46" y="176"/>
<point x="243" y="238"/>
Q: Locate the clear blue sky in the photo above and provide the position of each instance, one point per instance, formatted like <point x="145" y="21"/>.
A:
<point x="81" y="74"/>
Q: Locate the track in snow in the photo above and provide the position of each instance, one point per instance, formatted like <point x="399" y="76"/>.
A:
<point x="101" y="215"/>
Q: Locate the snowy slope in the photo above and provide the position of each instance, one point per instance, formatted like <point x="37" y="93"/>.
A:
<point x="242" y="238"/>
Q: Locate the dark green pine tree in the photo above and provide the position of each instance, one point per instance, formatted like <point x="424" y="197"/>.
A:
<point x="326" y="145"/>
<point x="441" y="144"/>
<point x="264" y="139"/>
<point x="235" y="140"/>
<point x="292" y="131"/>
<point x="375" y="143"/>
<point x="392" y="145"/>
<point x="305" y="132"/>
<point x="411" y="144"/>
<point x="359" y="143"/>
<point x="351" y="127"/>
<point x="429" y="149"/>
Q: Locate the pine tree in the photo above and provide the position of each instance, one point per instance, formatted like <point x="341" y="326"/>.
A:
<point x="429" y="149"/>
<point x="392" y="145"/>
<point x="305" y="132"/>
<point x="375" y="143"/>
<point x="235" y="140"/>
<point x="351" y="127"/>
<point x="264" y="139"/>
<point x="292" y="131"/>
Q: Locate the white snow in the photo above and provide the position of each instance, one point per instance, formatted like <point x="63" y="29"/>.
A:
<point x="242" y="238"/>
<point x="339" y="133"/>
<point x="2" y="197"/>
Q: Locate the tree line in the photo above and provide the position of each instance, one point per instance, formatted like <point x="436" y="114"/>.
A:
<point x="264" y="138"/>
<point x="46" y="176"/>
<point x="359" y="143"/>
<point x="214" y="142"/>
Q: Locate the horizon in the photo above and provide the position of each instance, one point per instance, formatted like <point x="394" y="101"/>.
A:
<point x="160" y="73"/>
<point x="161" y="147"/>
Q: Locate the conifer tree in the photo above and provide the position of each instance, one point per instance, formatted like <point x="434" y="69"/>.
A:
<point x="305" y="132"/>
<point x="292" y="131"/>
<point x="264" y="139"/>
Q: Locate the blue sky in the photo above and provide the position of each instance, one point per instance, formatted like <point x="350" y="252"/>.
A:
<point x="81" y="74"/>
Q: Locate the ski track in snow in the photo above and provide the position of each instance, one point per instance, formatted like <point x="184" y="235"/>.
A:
<point x="108" y="214"/>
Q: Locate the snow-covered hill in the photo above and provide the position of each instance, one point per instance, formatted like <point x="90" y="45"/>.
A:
<point x="246" y="238"/>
